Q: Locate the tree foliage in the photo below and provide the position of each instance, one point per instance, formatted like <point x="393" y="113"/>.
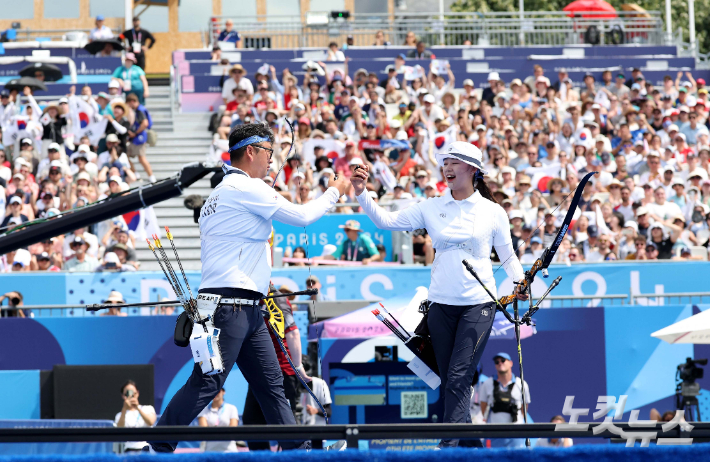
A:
<point x="679" y="9"/>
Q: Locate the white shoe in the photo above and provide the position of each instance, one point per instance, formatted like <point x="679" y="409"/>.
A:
<point x="152" y="179"/>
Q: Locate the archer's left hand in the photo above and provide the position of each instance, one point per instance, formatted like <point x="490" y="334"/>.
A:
<point x="520" y="292"/>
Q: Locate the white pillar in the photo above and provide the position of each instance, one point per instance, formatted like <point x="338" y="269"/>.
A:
<point x="442" y="39"/>
<point x="669" y="25"/>
<point x="128" y="14"/>
<point x="691" y="25"/>
<point x="521" y="7"/>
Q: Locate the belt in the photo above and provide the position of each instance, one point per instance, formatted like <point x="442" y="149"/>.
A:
<point x="238" y="301"/>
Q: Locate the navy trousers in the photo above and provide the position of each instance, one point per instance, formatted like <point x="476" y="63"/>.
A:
<point x="458" y="335"/>
<point x="244" y="340"/>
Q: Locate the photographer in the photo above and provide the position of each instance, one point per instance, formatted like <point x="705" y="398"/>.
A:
<point x="134" y="415"/>
<point x="503" y="398"/>
<point x="14" y="300"/>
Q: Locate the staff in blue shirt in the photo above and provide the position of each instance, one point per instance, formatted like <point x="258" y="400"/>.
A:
<point x="358" y="246"/>
<point x="230" y="35"/>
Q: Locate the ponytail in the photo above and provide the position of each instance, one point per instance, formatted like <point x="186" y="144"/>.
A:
<point x="481" y="186"/>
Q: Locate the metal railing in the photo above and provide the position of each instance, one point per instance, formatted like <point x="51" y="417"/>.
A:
<point x="483" y="29"/>
<point x="52" y="34"/>
<point x="667" y="299"/>
<point x="583" y="300"/>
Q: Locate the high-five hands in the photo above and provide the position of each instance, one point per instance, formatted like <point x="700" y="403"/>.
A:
<point x="359" y="178"/>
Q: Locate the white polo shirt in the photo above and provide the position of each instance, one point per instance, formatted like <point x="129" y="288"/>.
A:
<point x="220" y="418"/>
<point x="235" y="226"/>
<point x="460" y="230"/>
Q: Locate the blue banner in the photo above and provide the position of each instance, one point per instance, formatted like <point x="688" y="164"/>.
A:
<point x="328" y="230"/>
<point x="369" y="283"/>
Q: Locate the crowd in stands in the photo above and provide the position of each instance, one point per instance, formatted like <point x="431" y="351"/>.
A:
<point x="60" y="155"/>
<point x="650" y="144"/>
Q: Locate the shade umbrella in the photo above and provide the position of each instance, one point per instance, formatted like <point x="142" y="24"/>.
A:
<point x="640" y="12"/>
<point x="695" y="329"/>
<point x="595" y="9"/>
<point x="98" y="45"/>
<point x="22" y="82"/>
<point x="51" y="72"/>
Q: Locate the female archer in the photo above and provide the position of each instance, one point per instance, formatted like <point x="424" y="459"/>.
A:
<point x="464" y="224"/>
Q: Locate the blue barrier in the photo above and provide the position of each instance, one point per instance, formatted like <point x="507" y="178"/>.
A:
<point x="446" y="52"/>
<point x="376" y="282"/>
<point x="585" y="352"/>
<point x="576" y="68"/>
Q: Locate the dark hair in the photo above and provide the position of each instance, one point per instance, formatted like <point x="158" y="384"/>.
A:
<point x="483" y="188"/>
<point x="242" y="132"/>
<point x="130" y="382"/>
<point x="132" y="97"/>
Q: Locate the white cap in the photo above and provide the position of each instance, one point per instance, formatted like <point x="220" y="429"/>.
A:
<point x="15" y="200"/>
<point x="56" y="163"/>
<point x="55" y="147"/>
<point x="672" y="127"/>
<point x="21" y="161"/>
<point x="23" y="257"/>
<point x="429" y="98"/>
<point x="631" y="224"/>
<point x="83" y="176"/>
<point x="327" y="170"/>
<point x="111" y="257"/>
<point x="515" y="213"/>
<point x="84" y="148"/>
<point x="481" y="127"/>
<point x="26" y="141"/>
<point x="299" y="175"/>
<point x="641" y="211"/>
<point x="355" y="161"/>
<point x="401" y="136"/>
<point x="112" y="84"/>
<point x="493" y="76"/>
<point x="116" y="178"/>
<point x="468" y="82"/>
<point x="465" y="152"/>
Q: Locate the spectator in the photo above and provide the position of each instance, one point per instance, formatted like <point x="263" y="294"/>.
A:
<point x="134" y="415"/>
<point x="230" y="35"/>
<point x="237" y="79"/>
<point x="334" y="54"/>
<point x="502" y="398"/>
<point x="357" y="246"/>
<point x="132" y="78"/>
<point x="410" y="40"/>
<point x="555" y="442"/>
<point x="420" y="52"/>
<point x="312" y="415"/>
<point x="219" y="414"/>
<point x="114" y="298"/>
<point x="16" y="217"/>
<point x="14" y="301"/>
<point x="137" y="39"/>
<point x="138" y="135"/>
<point x="166" y="310"/>
<point x="81" y="261"/>
<point x="101" y="31"/>
<point x="45" y="263"/>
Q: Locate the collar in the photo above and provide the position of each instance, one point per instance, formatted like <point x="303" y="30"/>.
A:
<point x="473" y="198"/>
<point x="228" y="169"/>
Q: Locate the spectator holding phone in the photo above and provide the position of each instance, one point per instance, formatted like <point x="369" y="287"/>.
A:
<point x="134" y="415"/>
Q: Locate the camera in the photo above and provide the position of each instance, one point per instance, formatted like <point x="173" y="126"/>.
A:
<point x="129" y="393"/>
<point x="15" y="301"/>
<point x="687" y="373"/>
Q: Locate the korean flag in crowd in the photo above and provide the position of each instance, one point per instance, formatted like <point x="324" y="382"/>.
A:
<point x="143" y="223"/>
<point x="438" y="141"/>
<point x="21" y="127"/>
<point x="85" y="120"/>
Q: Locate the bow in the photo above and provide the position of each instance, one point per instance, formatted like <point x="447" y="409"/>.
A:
<point x="542" y="263"/>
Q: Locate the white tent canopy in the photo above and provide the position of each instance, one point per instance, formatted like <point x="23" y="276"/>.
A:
<point x="695" y="329"/>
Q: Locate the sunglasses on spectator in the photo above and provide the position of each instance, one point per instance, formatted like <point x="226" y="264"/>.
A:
<point x="500" y="361"/>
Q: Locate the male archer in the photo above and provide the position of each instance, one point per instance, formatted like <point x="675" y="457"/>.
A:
<point x="235" y="226"/>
